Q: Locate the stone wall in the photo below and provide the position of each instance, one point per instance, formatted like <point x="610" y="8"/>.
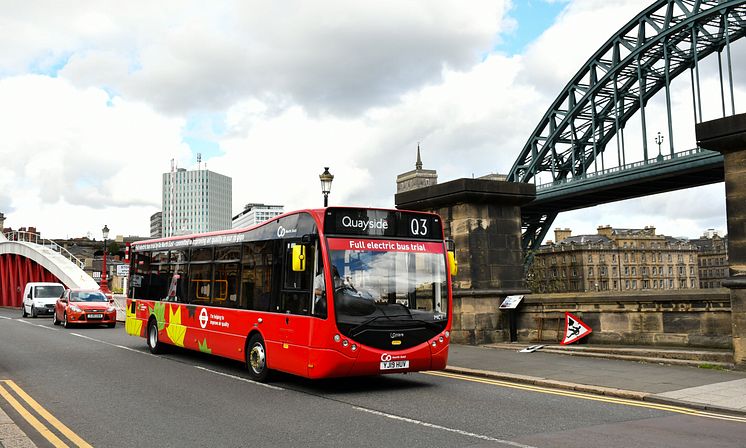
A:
<point x="694" y="318"/>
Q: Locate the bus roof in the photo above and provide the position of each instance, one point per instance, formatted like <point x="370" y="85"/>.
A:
<point x="317" y="214"/>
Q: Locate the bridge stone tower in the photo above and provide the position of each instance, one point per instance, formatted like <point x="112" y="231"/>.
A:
<point x="483" y="216"/>
<point x="728" y="136"/>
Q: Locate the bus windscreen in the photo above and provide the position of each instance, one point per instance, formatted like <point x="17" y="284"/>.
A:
<point x="386" y="284"/>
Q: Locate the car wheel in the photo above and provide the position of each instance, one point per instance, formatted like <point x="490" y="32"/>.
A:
<point x="34" y="313"/>
<point x="154" y="344"/>
<point x="256" y="359"/>
<point x="64" y="320"/>
<point x="23" y="309"/>
<point x="111" y="325"/>
<point x="54" y="318"/>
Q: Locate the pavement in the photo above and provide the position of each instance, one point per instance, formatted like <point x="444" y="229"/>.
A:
<point x="711" y="389"/>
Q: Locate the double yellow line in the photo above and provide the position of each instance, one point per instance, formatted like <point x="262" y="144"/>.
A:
<point x="7" y="385"/>
<point x="586" y="396"/>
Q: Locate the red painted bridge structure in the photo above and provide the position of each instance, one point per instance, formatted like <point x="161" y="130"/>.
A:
<point x="24" y="257"/>
<point x="15" y="272"/>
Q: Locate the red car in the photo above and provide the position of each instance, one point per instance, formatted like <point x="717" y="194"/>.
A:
<point x="85" y="306"/>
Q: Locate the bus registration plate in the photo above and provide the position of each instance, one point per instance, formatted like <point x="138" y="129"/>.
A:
<point x="391" y="365"/>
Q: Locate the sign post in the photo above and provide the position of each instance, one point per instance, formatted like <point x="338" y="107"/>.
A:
<point x="510" y="304"/>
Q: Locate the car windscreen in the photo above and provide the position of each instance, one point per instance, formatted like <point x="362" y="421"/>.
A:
<point x="88" y="297"/>
<point x="49" y="291"/>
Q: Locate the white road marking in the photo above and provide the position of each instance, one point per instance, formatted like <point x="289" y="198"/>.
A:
<point x="113" y="345"/>
<point x="5" y="317"/>
<point x="443" y="428"/>
<point x="269" y="386"/>
<point x="246" y="380"/>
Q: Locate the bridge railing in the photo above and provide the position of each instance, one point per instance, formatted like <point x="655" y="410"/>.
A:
<point x="35" y="238"/>
<point x="630" y="166"/>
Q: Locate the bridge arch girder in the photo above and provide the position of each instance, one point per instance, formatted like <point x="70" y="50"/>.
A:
<point x="655" y="47"/>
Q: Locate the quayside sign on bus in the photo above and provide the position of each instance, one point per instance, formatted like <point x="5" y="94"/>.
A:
<point x="382" y="223"/>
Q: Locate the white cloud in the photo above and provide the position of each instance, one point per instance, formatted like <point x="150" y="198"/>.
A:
<point x="352" y="86"/>
<point x="68" y="146"/>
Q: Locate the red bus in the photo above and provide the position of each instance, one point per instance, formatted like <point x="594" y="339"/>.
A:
<point x="259" y="295"/>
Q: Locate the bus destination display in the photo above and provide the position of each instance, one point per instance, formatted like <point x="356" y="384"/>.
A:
<point x="385" y="223"/>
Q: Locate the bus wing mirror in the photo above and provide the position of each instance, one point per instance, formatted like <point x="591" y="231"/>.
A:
<point x="299" y="258"/>
<point x="452" y="263"/>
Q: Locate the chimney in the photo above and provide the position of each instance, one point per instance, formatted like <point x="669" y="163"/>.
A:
<point x="561" y="234"/>
<point x="606" y="231"/>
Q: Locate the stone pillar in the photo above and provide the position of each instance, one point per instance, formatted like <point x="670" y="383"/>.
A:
<point x="483" y="217"/>
<point x="728" y="136"/>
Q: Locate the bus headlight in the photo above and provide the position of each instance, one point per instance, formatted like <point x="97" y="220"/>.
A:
<point x="435" y="344"/>
<point x="345" y="343"/>
<point x="448" y="333"/>
<point x="353" y="348"/>
<point x="440" y="339"/>
<point x="337" y="338"/>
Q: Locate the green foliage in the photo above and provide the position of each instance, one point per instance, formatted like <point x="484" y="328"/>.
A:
<point x="113" y="247"/>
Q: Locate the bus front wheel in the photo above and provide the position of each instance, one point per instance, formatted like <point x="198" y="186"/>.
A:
<point x="256" y="359"/>
<point x="154" y="344"/>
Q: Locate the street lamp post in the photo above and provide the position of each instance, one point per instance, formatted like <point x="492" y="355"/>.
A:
<point x="659" y="140"/>
<point x="326" y="184"/>
<point x="104" y="281"/>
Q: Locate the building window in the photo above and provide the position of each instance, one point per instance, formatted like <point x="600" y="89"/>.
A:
<point x="634" y="284"/>
<point x="590" y="272"/>
<point x="626" y="284"/>
<point x="590" y="258"/>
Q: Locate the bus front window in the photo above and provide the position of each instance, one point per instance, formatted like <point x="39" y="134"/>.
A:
<point x="384" y="290"/>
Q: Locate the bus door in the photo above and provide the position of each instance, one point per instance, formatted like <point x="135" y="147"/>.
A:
<point x="295" y="304"/>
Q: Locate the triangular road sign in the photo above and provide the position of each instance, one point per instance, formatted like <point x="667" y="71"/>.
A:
<point x="574" y="329"/>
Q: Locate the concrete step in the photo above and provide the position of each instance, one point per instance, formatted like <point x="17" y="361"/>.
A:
<point x="670" y="355"/>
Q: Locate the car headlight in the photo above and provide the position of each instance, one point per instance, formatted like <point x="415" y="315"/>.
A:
<point x="111" y="309"/>
<point x="74" y="308"/>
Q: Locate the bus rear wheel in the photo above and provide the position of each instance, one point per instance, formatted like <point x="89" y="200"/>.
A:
<point x="156" y="347"/>
<point x="256" y="359"/>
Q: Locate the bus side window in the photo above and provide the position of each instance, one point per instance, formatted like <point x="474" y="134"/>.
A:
<point x="200" y="275"/>
<point x="140" y="276"/>
<point x="256" y="275"/>
<point x="295" y="297"/>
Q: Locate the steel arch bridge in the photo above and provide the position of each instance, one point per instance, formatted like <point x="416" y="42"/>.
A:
<point x="26" y="259"/>
<point x="665" y="40"/>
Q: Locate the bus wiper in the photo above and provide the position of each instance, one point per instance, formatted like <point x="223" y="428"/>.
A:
<point x="430" y="325"/>
<point x="373" y="319"/>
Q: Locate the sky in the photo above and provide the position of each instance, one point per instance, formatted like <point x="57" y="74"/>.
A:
<point x="97" y="97"/>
